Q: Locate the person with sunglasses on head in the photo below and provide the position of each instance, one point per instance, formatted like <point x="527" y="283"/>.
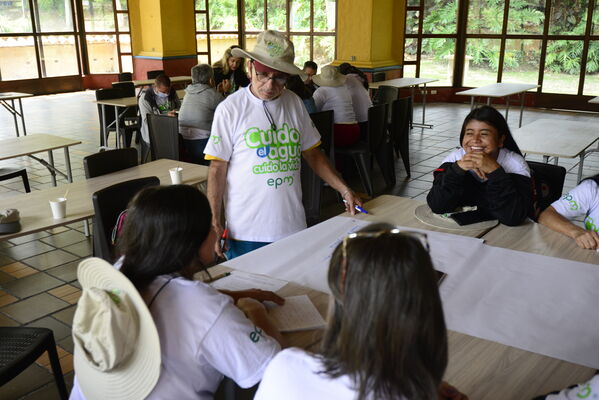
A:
<point x="385" y="337"/>
<point x="488" y="171"/>
<point x="203" y="334"/>
<point x="259" y="136"/>
<point x="582" y="201"/>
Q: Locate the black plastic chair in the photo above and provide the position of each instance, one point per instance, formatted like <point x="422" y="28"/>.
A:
<point x="10" y="173"/>
<point x="153" y="74"/>
<point x="400" y="130"/>
<point x="105" y="162"/>
<point x="20" y="347"/>
<point x="323" y="121"/>
<point x="125" y="76"/>
<point x="130" y="118"/>
<point x="548" y="184"/>
<point x="108" y="204"/>
<point x="311" y="193"/>
<point x="164" y="136"/>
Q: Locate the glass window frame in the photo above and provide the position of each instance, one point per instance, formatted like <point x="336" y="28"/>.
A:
<point x="78" y="32"/>
<point x="462" y="36"/>
<point x="241" y="32"/>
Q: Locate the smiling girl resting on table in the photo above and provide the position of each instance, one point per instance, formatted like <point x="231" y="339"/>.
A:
<point x="581" y="201"/>
<point x="386" y="336"/>
<point x="487" y="171"/>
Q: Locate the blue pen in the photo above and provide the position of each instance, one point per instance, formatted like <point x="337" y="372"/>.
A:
<point x="358" y="208"/>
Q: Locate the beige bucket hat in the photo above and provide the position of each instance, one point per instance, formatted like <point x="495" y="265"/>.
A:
<point x="329" y="76"/>
<point x="117" y="348"/>
<point x="274" y="50"/>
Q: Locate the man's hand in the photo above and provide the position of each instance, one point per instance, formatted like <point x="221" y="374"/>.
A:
<point x="351" y="200"/>
<point x="171" y="113"/>
<point x="448" y="392"/>
<point x="218" y="230"/>
<point x="587" y="240"/>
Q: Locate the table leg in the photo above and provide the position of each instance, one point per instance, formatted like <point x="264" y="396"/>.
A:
<point x="118" y="130"/>
<point x="488" y="101"/>
<point x="580" y="166"/>
<point x="14" y="115"/>
<point x="521" y="109"/>
<point x="413" y="90"/>
<point x="507" y="107"/>
<point x="86" y="227"/>
<point x="471" y="103"/>
<point x="67" y="161"/>
<point x="52" y="171"/>
<point x="545" y="159"/>
<point x="22" y="117"/>
<point x="555" y="160"/>
<point x="423" y="104"/>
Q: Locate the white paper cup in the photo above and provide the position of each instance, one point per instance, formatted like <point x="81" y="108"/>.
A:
<point x="59" y="207"/>
<point x="176" y="175"/>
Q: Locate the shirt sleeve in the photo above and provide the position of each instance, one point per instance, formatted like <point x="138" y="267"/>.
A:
<point x="220" y="144"/>
<point x="588" y="390"/>
<point x="578" y="201"/>
<point x="318" y="98"/>
<point x="237" y="348"/>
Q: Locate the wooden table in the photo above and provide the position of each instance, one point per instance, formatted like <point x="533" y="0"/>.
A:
<point x="483" y="369"/>
<point x="123" y="103"/>
<point x="12" y="96"/>
<point x="35" y="210"/>
<point x="498" y="90"/>
<point x="411" y="83"/>
<point x="149" y="82"/>
<point x="557" y="138"/>
<point x="29" y="145"/>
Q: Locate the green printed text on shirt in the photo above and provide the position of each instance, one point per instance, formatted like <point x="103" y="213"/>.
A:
<point x="590" y="225"/>
<point x="276" y="150"/>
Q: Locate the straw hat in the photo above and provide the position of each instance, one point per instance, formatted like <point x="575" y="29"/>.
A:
<point x="117" y="349"/>
<point x="329" y="76"/>
<point x="274" y="50"/>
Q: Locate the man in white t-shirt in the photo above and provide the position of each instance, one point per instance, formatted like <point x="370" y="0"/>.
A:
<point x="582" y="201"/>
<point x="259" y="134"/>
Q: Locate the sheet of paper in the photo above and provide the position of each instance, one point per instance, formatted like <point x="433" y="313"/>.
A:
<point x="304" y="257"/>
<point x="240" y="280"/>
<point x="537" y="303"/>
<point x="297" y="314"/>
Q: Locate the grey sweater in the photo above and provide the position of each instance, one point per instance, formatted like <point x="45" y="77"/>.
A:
<point x="199" y="103"/>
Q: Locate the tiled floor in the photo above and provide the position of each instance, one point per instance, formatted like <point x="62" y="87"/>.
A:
<point x="38" y="284"/>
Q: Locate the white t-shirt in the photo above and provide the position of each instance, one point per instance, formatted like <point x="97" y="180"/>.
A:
<point x="588" y="390"/>
<point x="583" y="200"/>
<point x="512" y="162"/>
<point x="359" y="97"/>
<point x="294" y="375"/>
<point x="337" y="99"/>
<point x="202" y="336"/>
<point x="263" y="197"/>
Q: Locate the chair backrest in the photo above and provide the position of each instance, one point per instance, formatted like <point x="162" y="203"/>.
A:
<point x="311" y="193"/>
<point x="128" y="88"/>
<point x="164" y="136"/>
<point x="400" y="121"/>
<point x="378" y="76"/>
<point x="548" y="184"/>
<point x="153" y="74"/>
<point x="377" y="126"/>
<point x="108" y="204"/>
<point x="385" y="95"/>
<point x="108" y="94"/>
<point x="105" y="162"/>
<point x="125" y="76"/>
<point x="323" y="121"/>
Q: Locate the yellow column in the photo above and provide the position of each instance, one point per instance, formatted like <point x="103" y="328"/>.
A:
<point x="162" y="35"/>
<point x="370" y="33"/>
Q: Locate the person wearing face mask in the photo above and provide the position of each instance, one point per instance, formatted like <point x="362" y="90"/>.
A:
<point x="161" y="98"/>
<point x="487" y="171"/>
<point x="229" y="72"/>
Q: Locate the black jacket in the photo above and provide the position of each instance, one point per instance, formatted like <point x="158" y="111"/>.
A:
<point x="239" y="77"/>
<point x="508" y="197"/>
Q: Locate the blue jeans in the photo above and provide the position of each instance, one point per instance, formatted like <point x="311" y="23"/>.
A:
<point x="195" y="148"/>
<point x="240" y="247"/>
